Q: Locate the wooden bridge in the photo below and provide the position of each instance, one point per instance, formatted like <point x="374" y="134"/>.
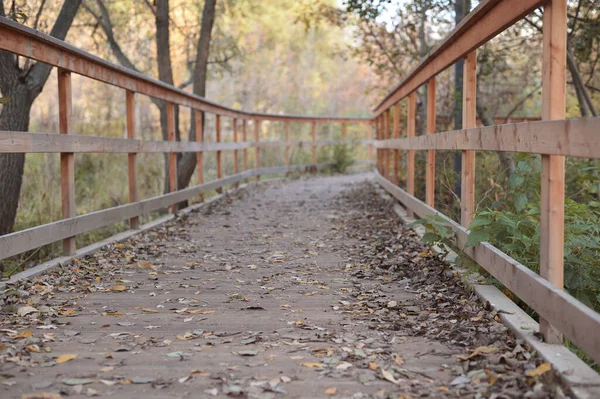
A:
<point x="283" y="292"/>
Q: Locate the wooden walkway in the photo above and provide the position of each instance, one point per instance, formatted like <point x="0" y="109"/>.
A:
<point x="283" y="290"/>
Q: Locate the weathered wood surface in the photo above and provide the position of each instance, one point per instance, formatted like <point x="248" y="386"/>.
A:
<point x="563" y="311"/>
<point x="571" y="137"/>
<point x="67" y="159"/>
<point x="469" y="120"/>
<point x="132" y="156"/>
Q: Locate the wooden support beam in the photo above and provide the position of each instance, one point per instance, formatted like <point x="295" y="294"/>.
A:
<point x="257" y="150"/>
<point x="378" y="137"/>
<point x="396" y="136"/>
<point x="287" y="147"/>
<point x="67" y="159"/>
<point x="387" y="135"/>
<point x="245" y="150"/>
<point x="552" y="217"/>
<point x="411" y="129"/>
<point x="198" y="120"/>
<point x="370" y="145"/>
<point x="344" y="132"/>
<point x="235" y="152"/>
<point x="314" y="145"/>
<point x="430" y="171"/>
<point x="219" y="153"/>
<point x="134" y="222"/>
<point x="469" y="120"/>
<point x="172" y="155"/>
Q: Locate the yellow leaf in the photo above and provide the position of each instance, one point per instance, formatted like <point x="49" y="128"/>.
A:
<point x="331" y="391"/>
<point x="491" y="377"/>
<point x="541" y="369"/>
<point x="149" y="310"/>
<point x="118" y="288"/>
<point x="25" y="334"/>
<point x="114" y="314"/>
<point x="310" y="293"/>
<point x="398" y="359"/>
<point x="373" y="366"/>
<point x="479" y="351"/>
<point x="199" y="311"/>
<point x="67" y="357"/>
<point x="33" y="348"/>
<point x="323" y="287"/>
<point x="312" y="365"/>
<point x="68" y="312"/>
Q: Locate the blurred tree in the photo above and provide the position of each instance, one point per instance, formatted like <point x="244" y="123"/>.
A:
<point x="21" y="81"/>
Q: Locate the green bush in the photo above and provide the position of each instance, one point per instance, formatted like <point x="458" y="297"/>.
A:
<point x="343" y="157"/>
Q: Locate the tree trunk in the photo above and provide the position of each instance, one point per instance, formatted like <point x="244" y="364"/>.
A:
<point x="461" y="8"/>
<point x="187" y="163"/>
<point x="506" y="160"/>
<point x="22" y="87"/>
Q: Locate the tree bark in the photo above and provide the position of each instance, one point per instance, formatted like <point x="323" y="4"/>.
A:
<point x="22" y="86"/>
<point x="187" y="163"/>
<point x="583" y="96"/>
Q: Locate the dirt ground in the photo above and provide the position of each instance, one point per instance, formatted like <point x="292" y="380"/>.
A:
<point x="306" y="288"/>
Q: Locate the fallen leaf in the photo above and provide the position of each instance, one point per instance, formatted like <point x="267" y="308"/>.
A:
<point x="373" y="366"/>
<point x="77" y="381"/>
<point x="24" y="334"/>
<point x="26" y="310"/>
<point x="539" y="370"/>
<point x="398" y="359"/>
<point x="67" y="357"/>
<point x="312" y="365"/>
<point x="479" y="351"/>
<point x="41" y="395"/>
<point x="143" y="264"/>
<point x="388" y="376"/>
<point x="331" y="391"/>
<point x="118" y="288"/>
<point x="147" y="310"/>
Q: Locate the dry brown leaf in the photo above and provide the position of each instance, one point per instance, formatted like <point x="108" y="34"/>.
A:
<point x="67" y="357"/>
<point x="479" y="351"/>
<point x="41" y="395"/>
<point x="147" y="310"/>
<point x="143" y="264"/>
<point x="373" y="366"/>
<point x="331" y="391"/>
<point x="312" y="365"/>
<point x="33" y="348"/>
<point x="541" y="369"/>
<point x="388" y="376"/>
<point x="118" y="288"/>
<point x="398" y="359"/>
<point x="199" y="311"/>
<point x="24" y="334"/>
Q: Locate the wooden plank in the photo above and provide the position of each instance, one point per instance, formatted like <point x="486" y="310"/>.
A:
<point x="344" y="131"/>
<point x="172" y="155"/>
<point x="314" y="146"/>
<point x="235" y="152"/>
<point x="469" y="120"/>
<point x="396" y="136"/>
<point x="488" y="19"/>
<point x="245" y="150"/>
<point x="134" y="222"/>
<point x="219" y="153"/>
<point x="67" y="159"/>
<point x="430" y="171"/>
<point x="411" y="129"/>
<point x="552" y="207"/>
<point x="386" y="135"/>
<point x="571" y="137"/>
<point x="199" y="123"/>
<point x="572" y="317"/>
<point x="287" y="139"/>
<point x="257" y="149"/>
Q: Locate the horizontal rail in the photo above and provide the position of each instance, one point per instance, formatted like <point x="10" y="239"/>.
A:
<point x="488" y="19"/>
<point x="570" y="316"/>
<point x="570" y="137"/>
<point x="27" y="42"/>
<point x="26" y="142"/>
<point x="25" y="240"/>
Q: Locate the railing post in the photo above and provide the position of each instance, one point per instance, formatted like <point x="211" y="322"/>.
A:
<point x="396" y="136"/>
<point x="172" y="155"/>
<point x="410" y="161"/>
<point x="314" y="145"/>
<point x="134" y="222"/>
<point x="67" y="159"/>
<point x="344" y="134"/>
<point x="430" y="171"/>
<point x="469" y="120"/>
<point x="235" y="152"/>
<point x="386" y="135"/>
<point x="287" y="147"/>
<point x="219" y="153"/>
<point x="245" y="151"/>
<point x="379" y="133"/>
<point x="370" y="145"/>
<point x="257" y="153"/>
<point x="552" y="217"/>
<point x="199" y="155"/>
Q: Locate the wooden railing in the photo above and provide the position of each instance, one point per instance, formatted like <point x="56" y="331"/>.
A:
<point x="553" y="137"/>
<point x="26" y="42"/>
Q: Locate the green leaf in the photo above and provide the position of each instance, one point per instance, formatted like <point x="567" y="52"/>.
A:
<point x="431" y="238"/>
<point x="523" y="166"/>
<point x="4" y="100"/>
<point x="416" y="222"/>
<point x="520" y="202"/>
<point x="516" y="181"/>
<point x="476" y="237"/>
<point x="479" y="221"/>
